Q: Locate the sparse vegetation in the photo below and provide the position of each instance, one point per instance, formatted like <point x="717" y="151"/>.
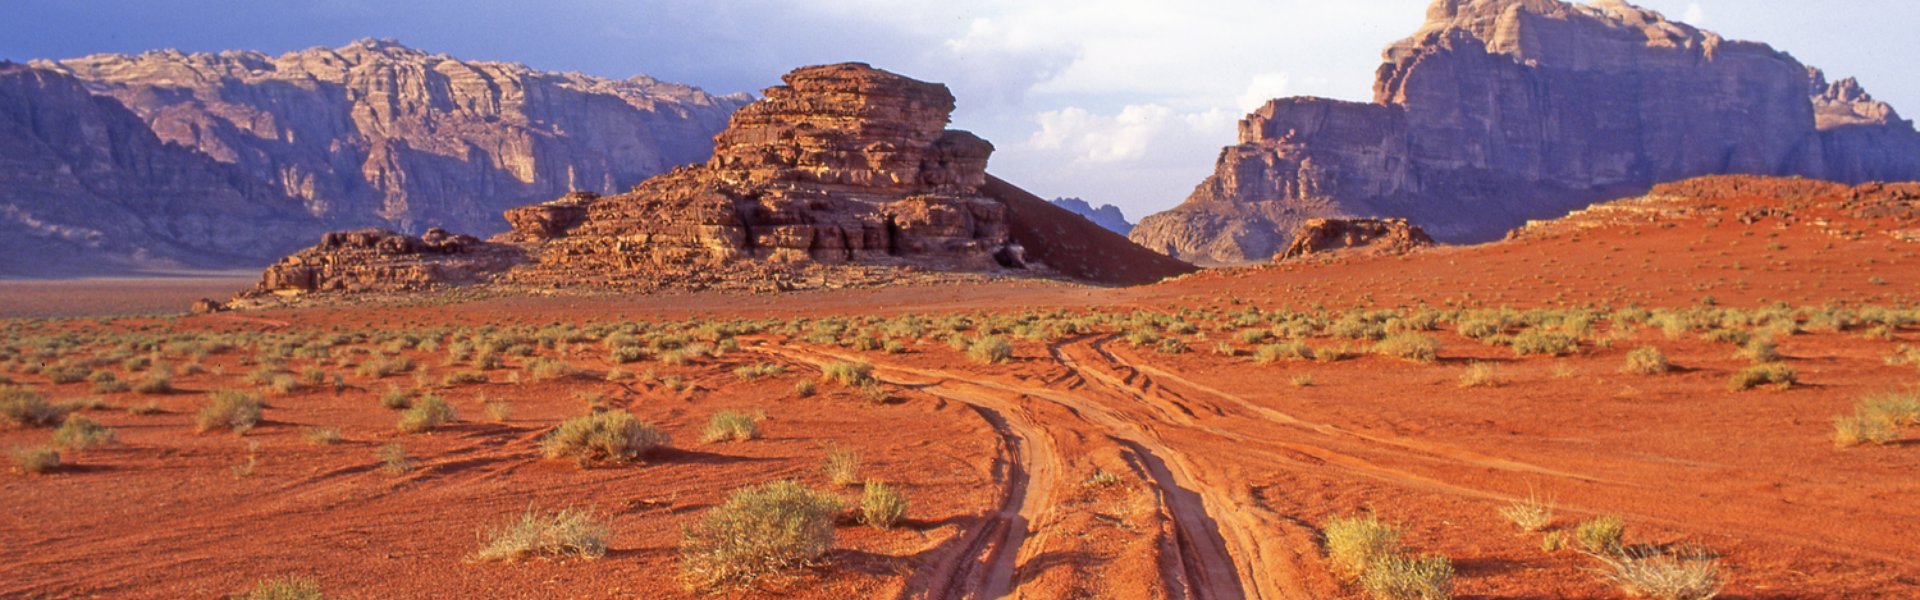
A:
<point x="291" y="587"/>
<point x="1481" y="374"/>
<point x="429" y="412"/>
<point x="1531" y="513"/>
<point x="321" y="436"/>
<point x="393" y="459"/>
<point x="1406" y="578"/>
<point x="1775" y="374"/>
<point x="842" y="466"/>
<point x="990" y="350"/>
<point x="1541" y="342"/>
<point x="848" y="373"/>
<point x="1601" y="535"/>
<point x="1682" y="574"/>
<point x="881" y="506"/>
<point x="569" y="532"/>
<point x="1355" y="543"/>
<point x="27" y="407"/>
<point x="229" y="409"/>
<point x="36" y="460"/>
<point x="1646" y="360"/>
<point x="1409" y="346"/>
<point x="759" y="531"/>
<point x="609" y="437"/>
<point x="80" y="433"/>
<point x="731" y="425"/>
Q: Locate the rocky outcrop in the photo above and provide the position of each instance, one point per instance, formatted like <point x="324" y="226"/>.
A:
<point x="1347" y="236"/>
<point x="845" y="175"/>
<point x="1500" y="111"/>
<point x="1107" y="215"/>
<point x="379" y="260"/>
<point x="373" y="134"/>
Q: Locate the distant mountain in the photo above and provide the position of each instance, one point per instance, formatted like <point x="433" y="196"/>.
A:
<point x="1497" y="112"/>
<point x="1107" y="215"/>
<point x="371" y="134"/>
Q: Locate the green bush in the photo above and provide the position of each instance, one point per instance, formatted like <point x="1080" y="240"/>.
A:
<point x="759" y="531"/>
<point x="229" y="409"/>
<point x="881" y="506"/>
<point x="570" y="532"/>
<point x="609" y="437"/>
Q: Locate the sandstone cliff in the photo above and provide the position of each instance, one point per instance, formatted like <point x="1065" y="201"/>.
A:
<point x="1500" y="111"/>
<point x="376" y="134"/>
<point x="1320" y="237"/>
<point x="86" y="187"/>
<point x="845" y="175"/>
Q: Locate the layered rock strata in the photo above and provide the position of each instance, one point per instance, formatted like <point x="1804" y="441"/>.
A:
<point x="1319" y="237"/>
<point x="1500" y="111"/>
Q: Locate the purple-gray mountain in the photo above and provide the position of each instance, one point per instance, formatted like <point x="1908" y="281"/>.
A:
<point x="1501" y="111"/>
<point x="171" y="160"/>
<point x="1107" y="215"/>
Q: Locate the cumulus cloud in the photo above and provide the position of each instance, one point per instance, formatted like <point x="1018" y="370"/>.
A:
<point x="1126" y="136"/>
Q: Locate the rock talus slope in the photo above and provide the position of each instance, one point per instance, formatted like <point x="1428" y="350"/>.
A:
<point x="1500" y="111"/>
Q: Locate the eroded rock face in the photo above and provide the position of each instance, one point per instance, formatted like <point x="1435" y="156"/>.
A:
<point x="1369" y="236"/>
<point x="1501" y="111"/>
<point x="844" y="176"/>
<point x="379" y="260"/>
<point x="845" y="163"/>
<point x="376" y="134"/>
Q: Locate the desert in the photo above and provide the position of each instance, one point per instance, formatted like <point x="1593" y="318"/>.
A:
<point x="809" y="342"/>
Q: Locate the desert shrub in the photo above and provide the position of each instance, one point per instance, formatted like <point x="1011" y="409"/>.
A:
<point x="1646" y="360"/>
<point x="626" y="355"/>
<point x="1357" y="327"/>
<point x="1328" y="354"/>
<point x="229" y="409"/>
<point x="1760" y="351"/>
<point x="395" y="398"/>
<point x="991" y="350"/>
<point x="393" y="459"/>
<point x="290" y="587"/>
<point x="1355" y="543"/>
<point x="1553" y="541"/>
<point x="881" y="506"/>
<point x="1301" y="380"/>
<point x="759" y="531"/>
<point x="67" y="373"/>
<point x="1858" y="429"/>
<point x="385" y="367"/>
<point x="804" y="388"/>
<point x="1171" y="346"/>
<point x="569" y="532"/>
<point x="1272" y="353"/>
<point x="463" y="378"/>
<point x="1685" y="574"/>
<point x="430" y="412"/>
<point x="155" y="382"/>
<point x="37" y="459"/>
<point x="848" y="373"/>
<point x="1768" y="374"/>
<point x="497" y="409"/>
<point x="1897" y="408"/>
<point x="1252" y="336"/>
<point x="873" y="393"/>
<point x="110" y="385"/>
<point x="752" y="372"/>
<point x="1530" y="514"/>
<point x="842" y="466"/>
<point x="1737" y="337"/>
<point x="1409" y="346"/>
<point x="1537" y="341"/>
<point x="1479" y="328"/>
<point x="611" y="437"/>
<point x="1601" y="535"/>
<point x="1407" y="578"/>
<point x="321" y="436"/>
<point x="731" y="425"/>
<point x="1481" y="374"/>
<point x="79" y="433"/>
<point x="27" y="407"/>
<point x="544" y="368"/>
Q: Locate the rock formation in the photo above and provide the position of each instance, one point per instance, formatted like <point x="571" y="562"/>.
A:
<point x="373" y="134"/>
<point x="1107" y="215"/>
<point x="1500" y="111"/>
<point x="1370" y="236"/>
<point x="844" y="175"/>
<point x="378" y="260"/>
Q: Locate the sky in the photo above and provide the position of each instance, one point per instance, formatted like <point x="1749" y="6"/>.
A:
<point x="1116" y="101"/>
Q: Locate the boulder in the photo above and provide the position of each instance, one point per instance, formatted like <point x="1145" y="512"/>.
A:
<point x="1369" y="236"/>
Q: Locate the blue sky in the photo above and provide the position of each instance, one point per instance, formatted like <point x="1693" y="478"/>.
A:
<point x="1118" y="101"/>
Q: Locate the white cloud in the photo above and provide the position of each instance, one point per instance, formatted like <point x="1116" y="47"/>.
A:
<point x="1264" y="87"/>
<point x="1696" y="15"/>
